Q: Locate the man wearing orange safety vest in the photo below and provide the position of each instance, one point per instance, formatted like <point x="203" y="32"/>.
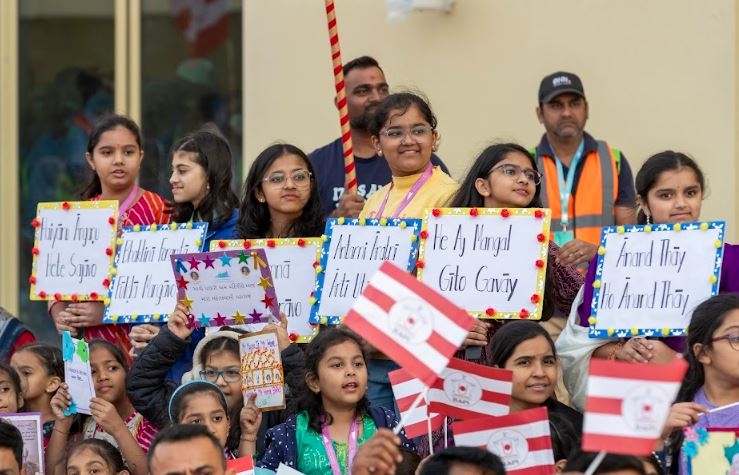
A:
<point x="587" y="183"/>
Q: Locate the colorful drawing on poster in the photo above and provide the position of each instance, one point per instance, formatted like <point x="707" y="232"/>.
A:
<point x="74" y="244"/>
<point x="490" y="261"/>
<point x="711" y="450"/>
<point x="77" y="373"/>
<point x="353" y="250"/>
<point x="31" y="427"/>
<point x="649" y="278"/>
<point x="261" y="370"/>
<point x="226" y="287"/>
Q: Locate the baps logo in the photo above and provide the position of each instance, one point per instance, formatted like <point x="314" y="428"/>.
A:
<point x="645" y="408"/>
<point x="462" y="389"/>
<point x="411" y="320"/>
<point x="511" y="446"/>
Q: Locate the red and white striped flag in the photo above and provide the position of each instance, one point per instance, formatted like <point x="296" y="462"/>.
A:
<point x="521" y="440"/>
<point x="627" y="404"/>
<point x="409" y="322"/>
<point x="406" y="389"/>
<point x="204" y="23"/>
<point x="468" y="390"/>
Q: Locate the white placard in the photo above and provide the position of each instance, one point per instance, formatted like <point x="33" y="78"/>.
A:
<point x="77" y="373"/>
<point x="73" y="250"/>
<point x="489" y="261"/>
<point x="353" y="250"/>
<point x="144" y="287"/>
<point x="30" y="425"/>
<point x="292" y="262"/>
<point x="650" y="278"/>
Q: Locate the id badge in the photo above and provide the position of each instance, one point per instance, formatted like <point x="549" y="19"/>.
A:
<point x="563" y="237"/>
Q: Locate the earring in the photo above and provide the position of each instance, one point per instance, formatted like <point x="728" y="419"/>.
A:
<point x="649" y="218"/>
<point x="261" y="200"/>
<point x="379" y="152"/>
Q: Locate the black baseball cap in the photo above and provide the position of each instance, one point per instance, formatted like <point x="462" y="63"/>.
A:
<point x="559" y="83"/>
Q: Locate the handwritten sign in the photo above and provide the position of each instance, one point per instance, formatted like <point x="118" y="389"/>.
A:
<point x="73" y="249"/>
<point x="490" y="261"/>
<point x="353" y="250"/>
<point x="143" y="287"/>
<point x="292" y="264"/>
<point x="649" y="278"/>
<point x="30" y="425"/>
<point x="226" y="287"/>
<point x="711" y="451"/>
<point x="261" y="370"/>
<point x="77" y="373"/>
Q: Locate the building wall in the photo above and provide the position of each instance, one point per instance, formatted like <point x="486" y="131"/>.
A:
<point x="658" y="75"/>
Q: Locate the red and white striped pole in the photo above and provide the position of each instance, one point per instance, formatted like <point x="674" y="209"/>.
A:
<point x="350" y="176"/>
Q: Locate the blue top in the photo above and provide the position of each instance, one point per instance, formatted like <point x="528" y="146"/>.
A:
<point x="372" y="173"/>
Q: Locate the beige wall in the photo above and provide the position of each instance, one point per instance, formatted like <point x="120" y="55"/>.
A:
<point x="658" y="74"/>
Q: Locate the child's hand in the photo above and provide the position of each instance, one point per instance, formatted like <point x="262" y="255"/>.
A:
<point x="141" y="335"/>
<point x="60" y="402"/>
<point x="682" y="414"/>
<point x="283" y="339"/>
<point x="178" y="322"/>
<point x="61" y="318"/>
<point x="250" y="420"/>
<point x="85" y="314"/>
<point x="106" y="415"/>
<point x="380" y="455"/>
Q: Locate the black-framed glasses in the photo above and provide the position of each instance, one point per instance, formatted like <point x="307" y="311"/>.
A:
<point x="300" y="178"/>
<point x="514" y="171"/>
<point x="230" y="375"/>
<point x="732" y="339"/>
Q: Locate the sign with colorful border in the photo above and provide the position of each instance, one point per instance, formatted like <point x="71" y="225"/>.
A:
<point x="292" y="262"/>
<point x="31" y="427"/>
<point x="143" y="287"/>
<point x="226" y="287"/>
<point x="74" y="243"/>
<point x="649" y="278"/>
<point x="490" y="261"/>
<point x="353" y="250"/>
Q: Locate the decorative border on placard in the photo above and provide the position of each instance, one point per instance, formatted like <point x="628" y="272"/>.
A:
<point x="714" y="278"/>
<point x="156" y="317"/>
<point x="110" y="250"/>
<point x="226" y="244"/>
<point x="537" y="299"/>
<point x="402" y="223"/>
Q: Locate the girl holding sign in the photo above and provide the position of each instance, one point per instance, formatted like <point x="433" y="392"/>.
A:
<point x="334" y="416"/>
<point x="505" y="175"/>
<point x="711" y="380"/>
<point x="670" y="188"/>
<point x="403" y="130"/>
<point x="280" y="198"/>
<point x="114" y="155"/>
<point x="113" y="419"/>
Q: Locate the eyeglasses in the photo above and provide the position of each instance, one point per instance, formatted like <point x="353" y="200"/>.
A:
<point x="300" y="178"/>
<point x="514" y="171"/>
<point x="230" y="375"/>
<point x="732" y="339"/>
<point x="418" y="132"/>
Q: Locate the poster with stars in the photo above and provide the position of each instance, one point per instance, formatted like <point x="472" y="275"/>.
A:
<point x="220" y="288"/>
<point x="143" y="288"/>
<point x="649" y="278"/>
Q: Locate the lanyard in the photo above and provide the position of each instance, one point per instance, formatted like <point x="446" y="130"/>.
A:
<point x="408" y="196"/>
<point x="353" y="431"/>
<point x="565" y="187"/>
<point x="127" y="203"/>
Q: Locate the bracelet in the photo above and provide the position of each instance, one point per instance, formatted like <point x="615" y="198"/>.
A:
<point x="248" y="439"/>
<point x="60" y="431"/>
<point x="612" y="355"/>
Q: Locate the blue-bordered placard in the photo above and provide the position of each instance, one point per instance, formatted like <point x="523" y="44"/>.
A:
<point x="490" y="261"/>
<point x="353" y="249"/>
<point x="649" y="278"/>
<point x="143" y="288"/>
<point x="292" y="261"/>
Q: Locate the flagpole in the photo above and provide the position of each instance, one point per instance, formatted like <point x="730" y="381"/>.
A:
<point x="431" y="436"/>
<point x="404" y="419"/>
<point x="446" y="436"/>
<point x="721" y="408"/>
<point x="595" y="463"/>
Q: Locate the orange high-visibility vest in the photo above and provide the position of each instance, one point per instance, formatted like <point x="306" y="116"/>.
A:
<point x="591" y="205"/>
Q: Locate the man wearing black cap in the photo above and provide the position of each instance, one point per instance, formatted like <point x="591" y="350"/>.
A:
<point x="587" y="183"/>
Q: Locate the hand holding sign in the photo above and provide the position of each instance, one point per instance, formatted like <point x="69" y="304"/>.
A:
<point x="178" y="322"/>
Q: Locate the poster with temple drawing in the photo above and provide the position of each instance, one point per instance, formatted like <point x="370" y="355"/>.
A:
<point x="649" y="278"/>
<point x="261" y="370"/>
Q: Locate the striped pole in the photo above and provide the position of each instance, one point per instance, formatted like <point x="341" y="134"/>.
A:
<point x="350" y="176"/>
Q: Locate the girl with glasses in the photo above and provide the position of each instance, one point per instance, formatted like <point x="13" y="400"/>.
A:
<point x="712" y="380"/>
<point x="670" y="188"/>
<point x="216" y="360"/>
<point x="280" y="197"/>
<point x="403" y="130"/>
<point x="505" y="175"/>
